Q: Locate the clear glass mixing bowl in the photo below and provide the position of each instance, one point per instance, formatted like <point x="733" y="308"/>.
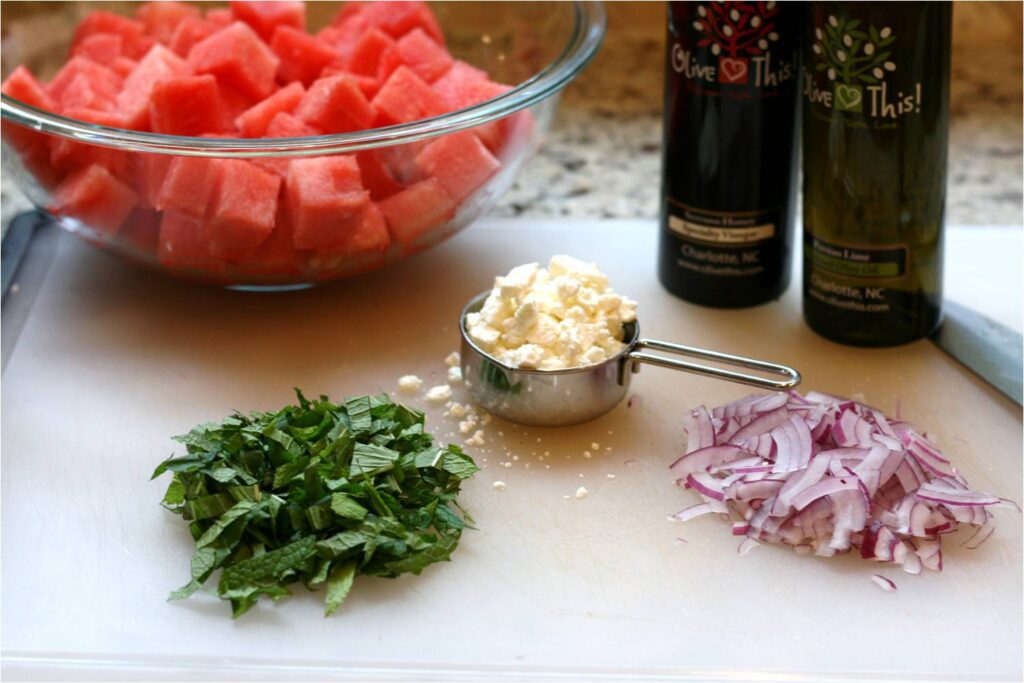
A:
<point x="536" y="47"/>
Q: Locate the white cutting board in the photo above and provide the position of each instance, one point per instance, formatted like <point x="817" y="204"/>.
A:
<point x="113" y="361"/>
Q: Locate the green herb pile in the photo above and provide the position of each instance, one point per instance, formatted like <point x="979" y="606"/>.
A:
<point x="317" y="493"/>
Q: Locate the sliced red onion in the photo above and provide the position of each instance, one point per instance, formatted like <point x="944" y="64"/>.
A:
<point x="883" y="583"/>
<point x="828" y="475"/>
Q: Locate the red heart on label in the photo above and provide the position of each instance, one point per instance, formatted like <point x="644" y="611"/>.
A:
<point x="732" y="70"/>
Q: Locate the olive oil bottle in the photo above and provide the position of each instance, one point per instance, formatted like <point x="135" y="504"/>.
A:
<point x="875" y="88"/>
<point x="729" y="157"/>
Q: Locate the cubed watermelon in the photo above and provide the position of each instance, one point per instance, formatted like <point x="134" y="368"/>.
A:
<point x="150" y="173"/>
<point x="161" y="19"/>
<point x="368" y="85"/>
<point x="364" y="246"/>
<point x="366" y="55"/>
<point x="159" y="64"/>
<point x="405" y="97"/>
<point x="419" y="52"/>
<point x="188" y="185"/>
<point x="100" y="78"/>
<point x="400" y="161"/>
<point x="324" y="196"/>
<point x="96" y="198"/>
<point x="134" y="41"/>
<point x="398" y="18"/>
<point x="276" y="256"/>
<point x="123" y="66"/>
<point x="264" y="16"/>
<point x="376" y="176"/>
<point x="102" y="48"/>
<point x="243" y="209"/>
<point x="285" y="125"/>
<point x="416" y="209"/>
<point x="335" y="105"/>
<point x="67" y="154"/>
<point x="302" y="56"/>
<point x="455" y="86"/>
<point x="190" y="31"/>
<point x="220" y="17"/>
<point x="238" y="58"/>
<point x="183" y="245"/>
<point x="253" y="122"/>
<point x="23" y="86"/>
<point x="190" y="105"/>
<point x="460" y="161"/>
<point x="141" y="231"/>
<point x="79" y="94"/>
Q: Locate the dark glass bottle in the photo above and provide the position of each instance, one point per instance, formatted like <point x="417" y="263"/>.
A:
<point x="730" y="159"/>
<point x="876" y="120"/>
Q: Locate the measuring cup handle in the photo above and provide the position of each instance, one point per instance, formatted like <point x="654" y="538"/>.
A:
<point x="791" y="376"/>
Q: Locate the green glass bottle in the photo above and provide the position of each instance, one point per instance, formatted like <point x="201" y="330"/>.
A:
<point x="875" y="131"/>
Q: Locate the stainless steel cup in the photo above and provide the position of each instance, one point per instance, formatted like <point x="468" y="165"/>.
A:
<point x="551" y="398"/>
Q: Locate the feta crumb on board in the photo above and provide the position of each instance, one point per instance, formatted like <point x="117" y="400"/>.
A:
<point x="581" y="492"/>
<point x="499" y="486"/>
<point x="439" y="394"/>
<point x="454" y="375"/>
<point x="563" y="316"/>
<point x="409" y="383"/>
<point x="453" y="360"/>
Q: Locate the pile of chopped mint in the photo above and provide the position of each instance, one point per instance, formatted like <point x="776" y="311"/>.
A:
<point x="318" y="493"/>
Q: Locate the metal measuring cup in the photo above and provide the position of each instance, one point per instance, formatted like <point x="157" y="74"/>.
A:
<point x="555" y="398"/>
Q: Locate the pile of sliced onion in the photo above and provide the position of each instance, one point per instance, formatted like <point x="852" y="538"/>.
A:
<point x="827" y="475"/>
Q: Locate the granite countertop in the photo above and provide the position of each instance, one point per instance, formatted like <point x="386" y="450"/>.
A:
<point x="602" y="158"/>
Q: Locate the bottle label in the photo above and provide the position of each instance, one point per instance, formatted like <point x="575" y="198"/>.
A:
<point x="731" y="46"/>
<point x="859" y="66"/>
<point x="724" y="243"/>
<point x="861" y="262"/>
<point x="855" y="278"/>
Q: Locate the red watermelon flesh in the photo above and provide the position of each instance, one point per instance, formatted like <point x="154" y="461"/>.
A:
<point x="160" y="64"/>
<point x="151" y="171"/>
<point x="398" y="18"/>
<point x="253" y="122"/>
<point x="100" y="78"/>
<point x="220" y="17"/>
<point x="366" y="55"/>
<point x="376" y="176"/>
<point x="141" y="230"/>
<point x="419" y="52"/>
<point x="266" y="17"/>
<point x="190" y="31"/>
<point x="401" y="161"/>
<point x="455" y="85"/>
<point x="95" y="197"/>
<point x="190" y="105"/>
<point x="80" y="95"/>
<point x="365" y="243"/>
<point x="23" y="86"/>
<point x="335" y="105"/>
<point x="324" y="196"/>
<point x="238" y="58"/>
<point x="460" y="162"/>
<point x="182" y="244"/>
<point x="161" y="19"/>
<point x="67" y="154"/>
<point x="134" y="41"/>
<point x="102" y="48"/>
<point x="302" y="56"/>
<point x="405" y="97"/>
<point x="276" y="256"/>
<point x="417" y="209"/>
<point x="243" y="209"/>
<point x="368" y="85"/>
<point x="188" y="185"/>
<point x="283" y="125"/>
<point x="123" y="66"/>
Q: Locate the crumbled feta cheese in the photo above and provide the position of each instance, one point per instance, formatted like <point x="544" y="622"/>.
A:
<point x="409" y="383"/>
<point x="563" y="316"/>
<point x="476" y="440"/>
<point x="486" y="419"/>
<point x="453" y="359"/>
<point x="439" y="394"/>
<point x="582" y="492"/>
<point x="611" y="476"/>
<point x="467" y="425"/>
<point x="455" y="375"/>
<point x="586" y="454"/>
<point x="499" y="486"/>
<point x="595" y="446"/>
<point x="457" y="410"/>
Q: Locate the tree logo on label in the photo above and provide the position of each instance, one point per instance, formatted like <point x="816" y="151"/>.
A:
<point x="736" y="31"/>
<point x="851" y="58"/>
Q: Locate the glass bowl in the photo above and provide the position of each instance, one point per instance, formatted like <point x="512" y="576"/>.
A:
<point x="107" y="184"/>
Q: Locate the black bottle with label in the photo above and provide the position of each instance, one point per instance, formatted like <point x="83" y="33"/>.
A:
<point x="875" y="133"/>
<point x="729" y="170"/>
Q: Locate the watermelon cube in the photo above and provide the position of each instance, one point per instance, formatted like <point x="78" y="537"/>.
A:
<point x="123" y="66"/>
<point x="302" y="56"/>
<point x="376" y="176"/>
<point x="220" y="17"/>
<point x="400" y="161"/>
<point x="366" y="55"/>
<point x="265" y="17"/>
<point x="419" y="52"/>
<point x="243" y="209"/>
<point x="190" y="31"/>
<point x="238" y="58"/>
<point x="335" y="105"/>
<point x="182" y="244"/>
<point x="416" y="209"/>
<point x="161" y="19"/>
<point x="100" y="78"/>
<point x="141" y="231"/>
<point x="67" y="154"/>
<point x="398" y="18"/>
<point x="365" y="244"/>
<point x="134" y="41"/>
<point x="405" y="97"/>
<point x="188" y="185"/>
<point x="253" y="122"/>
<point x="150" y="172"/>
<point x="276" y="256"/>
<point x="285" y="125"/>
<point x="96" y="198"/>
<point x="23" y="86"/>
<point x="460" y="162"/>
<point x="342" y="38"/>
<point x="324" y="196"/>
<point x="455" y="85"/>
<point x="102" y="48"/>
<point x="190" y="105"/>
<point x="368" y="85"/>
<point x="79" y="94"/>
<point x="159" y="64"/>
